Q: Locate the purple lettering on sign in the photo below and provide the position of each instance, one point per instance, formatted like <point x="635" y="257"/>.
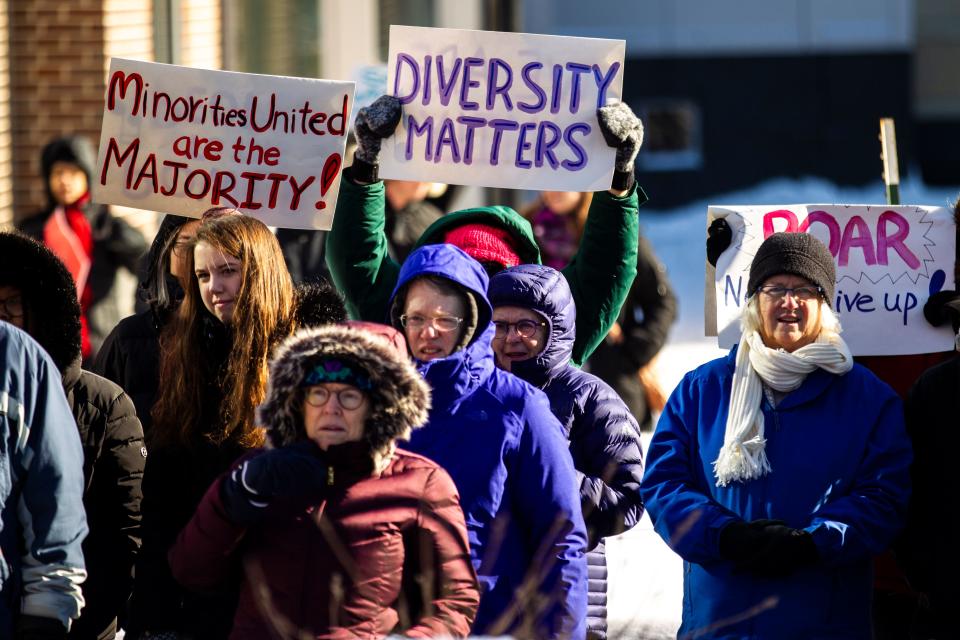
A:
<point x="544" y="148"/>
<point x="830" y="223"/>
<point x="523" y="144"/>
<point x="447" y="136"/>
<point x="576" y="70"/>
<point x="472" y="123"/>
<point x="581" y="161"/>
<point x="414" y="69"/>
<point x="557" y="88"/>
<point x="413" y="129"/>
<point x="862" y="239"/>
<point x="534" y="87"/>
<point x="603" y="81"/>
<point x="445" y="84"/>
<point x="499" y="126"/>
<point x="468" y="83"/>
<point x="494" y="89"/>
<point x="426" y="79"/>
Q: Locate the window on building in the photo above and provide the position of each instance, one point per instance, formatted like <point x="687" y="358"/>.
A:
<point x="673" y="139"/>
<point x="413" y="13"/>
<point x="278" y="37"/>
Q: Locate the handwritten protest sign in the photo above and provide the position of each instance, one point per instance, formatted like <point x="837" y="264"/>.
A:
<point x="501" y="109"/>
<point x="889" y="260"/>
<point x="181" y="140"/>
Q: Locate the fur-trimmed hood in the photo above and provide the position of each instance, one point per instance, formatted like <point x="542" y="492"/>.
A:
<point x="400" y="399"/>
<point x="49" y="295"/>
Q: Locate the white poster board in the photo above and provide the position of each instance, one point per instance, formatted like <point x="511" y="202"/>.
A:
<point x="496" y="109"/>
<point x="889" y="260"/>
<point x="182" y="140"/>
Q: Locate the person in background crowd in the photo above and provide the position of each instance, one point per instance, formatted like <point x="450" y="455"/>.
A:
<point x="130" y="355"/>
<point x="926" y="551"/>
<point x="535" y="319"/>
<point x="324" y="520"/>
<point x="600" y="275"/>
<point x="40" y="494"/>
<point x="407" y="215"/>
<point x="237" y="306"/>
<point x="496" y="437"/>
<point x="558" y="219"/>
<point x="625" y="359"/>
<point x="90" y="241"/>
<point x="777" y="471"/>
<point x="38" y="295"/>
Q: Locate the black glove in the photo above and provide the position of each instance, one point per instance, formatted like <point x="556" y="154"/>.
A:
<point x="622" y="129"/>
<point x="374" y="123"/>
<point x="719" y="236"/>
<point x="782" y="550"/>
<point x="739" y="540"/>
<point x="39" y="628"/>
<point x="943" y="307"/>
<point x="291" y="472"/>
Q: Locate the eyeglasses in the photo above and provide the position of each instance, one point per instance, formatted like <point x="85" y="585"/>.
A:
<point x="12" y="307"/>
<point x="803" y="294"/>
<point x="440" y="324"/>
<point x="525" y="328"/>
<point x="349" y="398"/>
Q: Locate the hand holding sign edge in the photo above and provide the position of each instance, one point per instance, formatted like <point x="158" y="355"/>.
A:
<point x="623" y="130"/>
<point x="374" y="123"/>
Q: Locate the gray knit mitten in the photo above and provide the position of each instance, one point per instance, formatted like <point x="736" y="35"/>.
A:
<point x="374" y="123"/>
<point x="623" y="130"/>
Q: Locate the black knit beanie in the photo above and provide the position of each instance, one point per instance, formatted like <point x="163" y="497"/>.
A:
<point x="798" y="254"/>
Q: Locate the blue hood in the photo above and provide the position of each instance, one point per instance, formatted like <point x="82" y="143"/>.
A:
<point x="544" y="290"/>
<point x="455" y="376"/>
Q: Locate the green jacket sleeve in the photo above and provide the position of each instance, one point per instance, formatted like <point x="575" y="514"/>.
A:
<point x="357" y="250"/>
<point x="604" y="267"/>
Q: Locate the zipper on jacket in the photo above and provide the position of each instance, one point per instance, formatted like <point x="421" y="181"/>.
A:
<point x="330" y="476"/>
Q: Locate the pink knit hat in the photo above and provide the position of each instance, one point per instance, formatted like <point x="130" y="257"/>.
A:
<point x="485" y="243"/>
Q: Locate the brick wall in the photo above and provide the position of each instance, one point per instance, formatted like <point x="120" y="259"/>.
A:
<point x="6" y="177"/>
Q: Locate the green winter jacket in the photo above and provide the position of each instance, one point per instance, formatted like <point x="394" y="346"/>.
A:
<point x="599" y="275"/>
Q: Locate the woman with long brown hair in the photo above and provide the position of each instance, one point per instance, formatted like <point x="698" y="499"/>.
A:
<point x="238" y="304"/>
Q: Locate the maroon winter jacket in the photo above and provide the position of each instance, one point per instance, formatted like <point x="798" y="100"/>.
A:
<point x="334" y="569"/>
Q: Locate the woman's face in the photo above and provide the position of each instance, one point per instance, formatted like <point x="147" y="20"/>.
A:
<point x="219" y="276"/>
<point x="179" y="253"/>
<point x="510" y="342"/>
<point x="325" y="418"/>
<point x="426" y="309"/>
<point x="68" y="182"/>
<point x="561" y="202"/>
<point x="789" y="321"/>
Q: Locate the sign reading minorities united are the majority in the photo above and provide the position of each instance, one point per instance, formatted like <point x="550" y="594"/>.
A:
<point x="182" y="140"/>
<point x="501" y="109"/>
<point x="889" y="259"/>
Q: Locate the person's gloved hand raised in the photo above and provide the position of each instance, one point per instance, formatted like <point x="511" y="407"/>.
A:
<point x="290" y="472"/>
<point x="622" y="129"/>
<point x="781" y="551"/>
<point x="373" y="123"/>
<point x="719" y="236"/>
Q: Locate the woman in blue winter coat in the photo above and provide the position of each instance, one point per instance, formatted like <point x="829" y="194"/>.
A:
<point x="778" y="471"/>
<point x="535" y="326"/>
<point x="496" y="437"/>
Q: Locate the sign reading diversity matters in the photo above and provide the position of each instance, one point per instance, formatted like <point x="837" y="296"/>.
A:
<point x="182" y="140"/>
<point x="501" y="109"/>
<point x="889" y="259"/>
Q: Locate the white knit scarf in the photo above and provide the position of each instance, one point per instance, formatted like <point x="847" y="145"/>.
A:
<point x="743" y="456"/>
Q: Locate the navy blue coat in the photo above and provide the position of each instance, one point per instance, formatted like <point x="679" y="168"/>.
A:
<point x="604" y="436"/>
<point x="496" y="437"/>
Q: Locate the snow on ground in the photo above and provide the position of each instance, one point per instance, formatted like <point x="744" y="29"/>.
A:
<point x="645" y="590"/>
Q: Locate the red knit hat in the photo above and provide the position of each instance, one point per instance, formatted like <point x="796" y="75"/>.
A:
<point x="485" y="243"/>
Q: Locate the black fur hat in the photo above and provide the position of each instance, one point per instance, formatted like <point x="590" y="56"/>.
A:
<point x="799" y="254"/>
<point x="49" y="295"/>
<point x="399" y="397"/>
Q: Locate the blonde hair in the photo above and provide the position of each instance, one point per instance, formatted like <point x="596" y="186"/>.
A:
<point x="751" y="321"/>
